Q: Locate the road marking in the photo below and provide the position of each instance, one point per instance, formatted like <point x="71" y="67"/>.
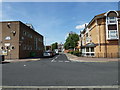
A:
<point x="53" y="61"/>
<point x="60" y="61"/>
<point x="55" y="58"/>
<point x="24" y="65"/>
<point x="67" y="61"/>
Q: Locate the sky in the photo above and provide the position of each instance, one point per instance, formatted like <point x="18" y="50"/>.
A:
<point x="55" y="19"/>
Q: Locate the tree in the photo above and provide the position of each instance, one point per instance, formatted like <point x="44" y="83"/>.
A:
<point x="54" y="46"/>
<point x="71" y="41"/>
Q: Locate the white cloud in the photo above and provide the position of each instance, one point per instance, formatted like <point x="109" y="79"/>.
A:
<point x="81" y="26"/>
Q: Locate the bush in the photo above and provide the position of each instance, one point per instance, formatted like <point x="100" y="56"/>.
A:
<point x="71" y="52"/>
<point x="77" y="53"/>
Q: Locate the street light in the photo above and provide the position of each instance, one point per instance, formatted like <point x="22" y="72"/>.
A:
<point x="45" y="43"/>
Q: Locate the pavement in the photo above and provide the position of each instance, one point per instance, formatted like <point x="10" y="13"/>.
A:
<point x="21" y="60"/>
<point x="90" y="59"/>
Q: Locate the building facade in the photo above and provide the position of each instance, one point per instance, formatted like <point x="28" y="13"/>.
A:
<point x="100" y="38"/>
<point x="60" y="47"/>
<point x="19" y="40"/>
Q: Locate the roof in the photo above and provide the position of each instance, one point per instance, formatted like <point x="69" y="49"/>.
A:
<point x="98" y="16"/>
<point x="28" y="25"/>
<point x="90" y="45"/>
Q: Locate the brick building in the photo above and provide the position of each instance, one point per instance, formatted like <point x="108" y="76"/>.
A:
<point x="19" y="40"/>
<point x="100" y="38"/>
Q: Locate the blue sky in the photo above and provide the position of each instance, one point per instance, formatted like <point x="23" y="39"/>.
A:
<point x="55" y="19"/>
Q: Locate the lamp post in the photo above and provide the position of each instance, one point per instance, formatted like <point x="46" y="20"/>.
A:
<point x="45" y="43"/>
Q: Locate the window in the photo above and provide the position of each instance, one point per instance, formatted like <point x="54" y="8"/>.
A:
<point x="30" y="36"/>
<point x="2" y="48"/>
<point x="87" y="49"/>
<point x="12" y="47"/>
<point x="112" y="27"/>
<point x="112" y="34"/>
<point x="111" y="20"/>
<point x="7" y="47"/>
<point x="24" y="33"/>
<point x="86" y="34"/>
<point x="92" y="49"/>
<point x="24" y="47"/>
<point x="22" y="38"/>
<point x="40" y="40"/>
<point x="87" y="39"/>
<point x="7" y="38"/>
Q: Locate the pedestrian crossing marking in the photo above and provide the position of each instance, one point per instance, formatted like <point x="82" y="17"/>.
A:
<point x="60" y="61"/>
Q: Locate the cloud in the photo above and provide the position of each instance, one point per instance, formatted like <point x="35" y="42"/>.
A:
<point x="81" y="26"/>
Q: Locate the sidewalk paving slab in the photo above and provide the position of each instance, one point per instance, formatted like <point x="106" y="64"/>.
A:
<point x="22" y="60"/>
<point x="89" y="59"/>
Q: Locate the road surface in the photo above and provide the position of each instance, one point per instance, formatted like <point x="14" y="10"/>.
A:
<point x="59" y="71"/>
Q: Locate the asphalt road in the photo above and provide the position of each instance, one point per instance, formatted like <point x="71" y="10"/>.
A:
<point x="59" y="71"/>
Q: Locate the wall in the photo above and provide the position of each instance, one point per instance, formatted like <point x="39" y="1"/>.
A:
<point x="29" y="42"/>
<point x="14" y="41"/>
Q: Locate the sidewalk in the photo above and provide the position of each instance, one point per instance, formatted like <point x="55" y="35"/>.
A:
<point x="89" y="59"/>
<point x="21" y="60"/>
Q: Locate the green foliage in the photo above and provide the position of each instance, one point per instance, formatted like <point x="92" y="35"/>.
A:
<point x="77" y="53"/>
<point x="71" y="52"/>
<point x="71" y="41"/>
<point x="54" y="46"/>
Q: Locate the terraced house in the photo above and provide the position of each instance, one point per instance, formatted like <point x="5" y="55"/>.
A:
<point x="100" y="38"/>
<point x="19" y="40"/>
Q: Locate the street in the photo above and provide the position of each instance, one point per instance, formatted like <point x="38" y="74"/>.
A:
<point x="59" y="71"/>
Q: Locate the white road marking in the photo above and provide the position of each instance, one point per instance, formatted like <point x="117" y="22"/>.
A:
<point x="67" y="61"/>
<point x="53" y="60"/>
<point x="24" y="65"/>
<point x="56" y="57"/>
<point x="60" y="61"/>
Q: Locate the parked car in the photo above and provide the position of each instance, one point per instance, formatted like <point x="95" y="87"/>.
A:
<point x="48" y="54"/>
<point x="56" y="51"/>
